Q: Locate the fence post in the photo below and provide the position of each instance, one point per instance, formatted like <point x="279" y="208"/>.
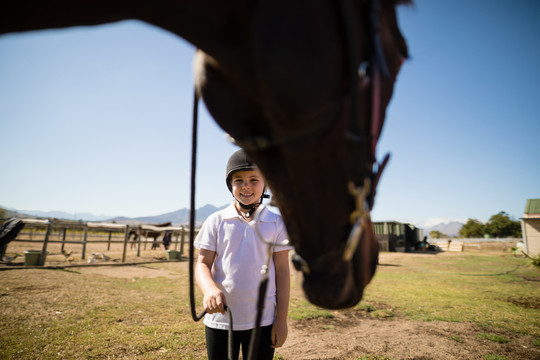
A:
<point x="126" y="237"/>
<point x="63" y="239"/>
<point x="84" y="241"/>
<point x="44" y="248"/>
<point x="176" y="242"/>
<point x="109" y="244"/>
<point x="182" y="241"/>
<point x="139" y="238"/>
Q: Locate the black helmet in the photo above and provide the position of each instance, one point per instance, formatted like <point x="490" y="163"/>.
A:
<point x="237" y="162"/>
<point x="240" y="162"/>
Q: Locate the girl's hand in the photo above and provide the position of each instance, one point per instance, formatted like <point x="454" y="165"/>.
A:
<point x="214" y="301"/>
<point x="279" y="333"/>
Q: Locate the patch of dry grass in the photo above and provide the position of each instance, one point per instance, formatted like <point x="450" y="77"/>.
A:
<point x="142" y="312"/>
<point x="78" y="314"/>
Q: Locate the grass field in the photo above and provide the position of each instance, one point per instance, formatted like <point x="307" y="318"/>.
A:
<point x="142" y="312"/>
<point x="490" y="290"/>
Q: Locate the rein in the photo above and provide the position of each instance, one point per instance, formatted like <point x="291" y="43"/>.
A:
<point x="196" y="317"/>
<point x="254" y="340"/>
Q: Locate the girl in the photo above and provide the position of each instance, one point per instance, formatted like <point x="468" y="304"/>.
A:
<point x="228" y="270"/>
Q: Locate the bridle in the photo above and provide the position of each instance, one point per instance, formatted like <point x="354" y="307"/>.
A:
<point x="362" y="188"/>
<point x="368" y="77"/>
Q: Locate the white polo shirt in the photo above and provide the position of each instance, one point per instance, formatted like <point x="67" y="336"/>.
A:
<point x="240" y="255"/>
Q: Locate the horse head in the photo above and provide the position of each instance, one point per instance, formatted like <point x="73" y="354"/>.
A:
<point x="309" y="113"/>
<point x="303" y="87"/>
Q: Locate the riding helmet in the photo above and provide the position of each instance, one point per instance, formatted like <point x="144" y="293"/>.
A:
<point x="237" y="162"/>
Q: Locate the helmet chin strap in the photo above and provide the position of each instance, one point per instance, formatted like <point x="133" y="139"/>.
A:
<point x="252" y="207"/>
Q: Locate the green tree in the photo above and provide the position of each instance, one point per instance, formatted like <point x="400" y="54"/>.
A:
<point x="472" y="229"/>
<point x="2" y="213"/>
<point x="502" y="226"/>
<point x="436" y="234"/>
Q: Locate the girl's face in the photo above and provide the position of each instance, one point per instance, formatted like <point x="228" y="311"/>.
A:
<point x="247" y="186"/>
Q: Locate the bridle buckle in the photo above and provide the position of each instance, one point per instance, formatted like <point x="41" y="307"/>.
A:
<point x="357" y="217"/>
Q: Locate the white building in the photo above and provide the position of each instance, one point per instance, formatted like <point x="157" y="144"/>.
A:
<point x="530" y="226"/>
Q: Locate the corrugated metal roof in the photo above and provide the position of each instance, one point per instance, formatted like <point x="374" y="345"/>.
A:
<point x="532" y="206"/>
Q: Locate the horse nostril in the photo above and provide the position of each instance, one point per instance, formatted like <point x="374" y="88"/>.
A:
<point x="300" y="264"/>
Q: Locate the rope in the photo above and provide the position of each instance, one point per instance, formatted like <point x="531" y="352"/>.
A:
<point x="255" y="336"/>
<point x="196" y="317"/>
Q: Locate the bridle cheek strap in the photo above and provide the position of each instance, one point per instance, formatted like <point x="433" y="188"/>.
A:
<point x="363" y="180"/>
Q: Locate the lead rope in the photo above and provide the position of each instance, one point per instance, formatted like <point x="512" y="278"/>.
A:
<point x="255" y="336"/>
<point x="254" y="341"/>
<point x="196" y="317"/>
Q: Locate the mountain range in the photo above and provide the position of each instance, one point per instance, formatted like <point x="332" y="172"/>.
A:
<point x="451" y="228"/>
<point x="178" y="217"/>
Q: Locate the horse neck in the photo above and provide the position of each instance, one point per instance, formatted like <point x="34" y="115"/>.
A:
<point x="204" y="23"/>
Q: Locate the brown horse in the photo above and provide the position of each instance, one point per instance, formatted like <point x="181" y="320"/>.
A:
<point x="133" y="237"/>
<point x="303" y="86"/>
<point x="154" y="234"/>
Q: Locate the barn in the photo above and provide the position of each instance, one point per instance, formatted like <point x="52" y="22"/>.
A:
<point x="396" y="236"/>
<point x="530" y="226"/>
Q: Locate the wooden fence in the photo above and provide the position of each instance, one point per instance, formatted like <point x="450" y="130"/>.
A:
<point x="48" y="232"/>
<point x="458" y="244"/>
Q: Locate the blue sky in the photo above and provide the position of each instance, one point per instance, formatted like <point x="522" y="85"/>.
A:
<point x="99" y="119"/>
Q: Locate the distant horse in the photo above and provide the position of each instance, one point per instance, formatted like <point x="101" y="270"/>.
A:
<point x="303" y="86"/>
<point x="166" y="240"/>
<point x="133" y="237"/>
<point x="155" y="234"/>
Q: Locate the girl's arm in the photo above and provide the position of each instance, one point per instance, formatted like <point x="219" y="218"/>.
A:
<point x="214" y="300"/>
<point x="283" y="288"/>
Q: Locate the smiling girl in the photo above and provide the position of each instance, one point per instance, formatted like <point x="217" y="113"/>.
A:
<point x="228" y="271"/>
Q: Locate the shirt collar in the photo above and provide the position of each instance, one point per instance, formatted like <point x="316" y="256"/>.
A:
<point x="230" y="212"/>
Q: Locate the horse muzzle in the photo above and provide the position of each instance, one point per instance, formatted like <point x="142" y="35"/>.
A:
<point x="336" y="282"/>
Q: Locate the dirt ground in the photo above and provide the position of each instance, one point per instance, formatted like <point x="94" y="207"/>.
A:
<point x="350" y="337"/>
<point x="353" y="334"/>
